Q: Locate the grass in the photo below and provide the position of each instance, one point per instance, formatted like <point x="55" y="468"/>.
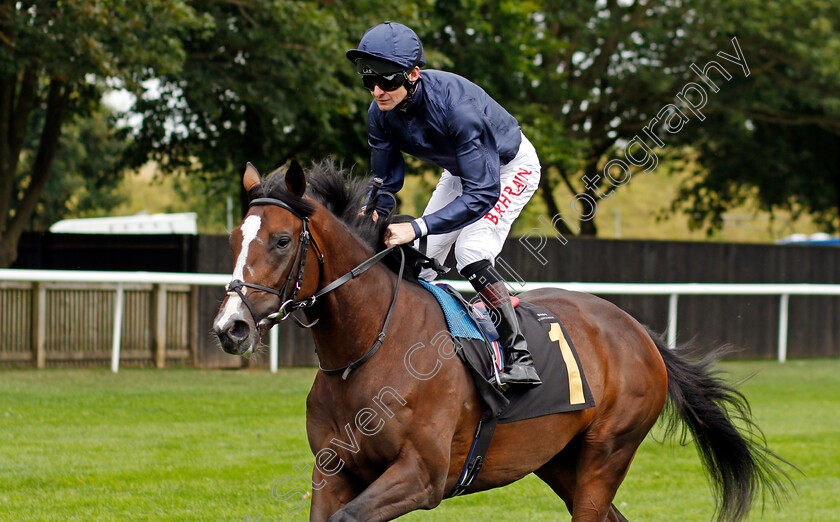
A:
<point x="184" y="444"/>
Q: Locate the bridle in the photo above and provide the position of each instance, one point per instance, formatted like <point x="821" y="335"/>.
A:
<point x="290" y="304"/>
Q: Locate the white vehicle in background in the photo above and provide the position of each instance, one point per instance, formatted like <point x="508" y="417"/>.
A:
<point x="820" y="238"/>
<point x="181" y="223"/>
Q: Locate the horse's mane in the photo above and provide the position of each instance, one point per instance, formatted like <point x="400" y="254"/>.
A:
<point x="334" y="187"/>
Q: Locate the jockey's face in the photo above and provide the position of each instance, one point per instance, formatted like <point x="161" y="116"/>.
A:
<point x="387" y="100"/>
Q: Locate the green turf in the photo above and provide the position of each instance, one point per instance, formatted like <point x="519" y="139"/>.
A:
<point x="209" y="445"/>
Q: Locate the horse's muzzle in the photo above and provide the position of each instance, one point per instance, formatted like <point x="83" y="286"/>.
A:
<point x="234" y="340"/>
<point x="236" y="335"/>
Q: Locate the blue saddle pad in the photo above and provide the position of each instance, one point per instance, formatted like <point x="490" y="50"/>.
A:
<point x="457" y="319"/>
<point x="464" y="325"/>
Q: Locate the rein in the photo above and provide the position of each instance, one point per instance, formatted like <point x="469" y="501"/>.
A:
<point x="291" y="304"/>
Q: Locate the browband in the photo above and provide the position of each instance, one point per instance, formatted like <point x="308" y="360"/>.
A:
<point x="276" y="202"/>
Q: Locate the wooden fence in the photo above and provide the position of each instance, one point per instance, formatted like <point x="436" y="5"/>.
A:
<point x="46" y="324"/>
<point x="748" y="322"/>
<point x="83" y="314"/>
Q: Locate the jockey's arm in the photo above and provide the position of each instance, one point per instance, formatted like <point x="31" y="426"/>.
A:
<point x="478" y="167"/>
<point x="386" y="162"/>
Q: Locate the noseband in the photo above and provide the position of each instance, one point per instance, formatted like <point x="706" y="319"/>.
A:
<point x="290" y="304"/>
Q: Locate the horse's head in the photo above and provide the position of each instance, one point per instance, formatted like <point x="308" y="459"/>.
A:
<point x="270" y="252"/>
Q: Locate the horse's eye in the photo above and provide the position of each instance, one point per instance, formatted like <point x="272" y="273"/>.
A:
<point x="283" y="242"/>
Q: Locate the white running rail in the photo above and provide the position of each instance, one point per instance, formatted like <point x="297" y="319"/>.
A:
<point x="673" y="290"/>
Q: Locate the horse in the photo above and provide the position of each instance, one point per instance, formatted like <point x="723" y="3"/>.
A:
<point x="387" y="442"/>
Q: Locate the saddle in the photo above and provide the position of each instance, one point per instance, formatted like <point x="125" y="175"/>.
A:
<point x="564" y="385"/>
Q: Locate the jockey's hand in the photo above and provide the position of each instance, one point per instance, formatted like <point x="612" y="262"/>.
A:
<point x="399" y="234"/>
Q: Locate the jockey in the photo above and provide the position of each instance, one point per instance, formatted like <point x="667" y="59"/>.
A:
<point x="490" y="170"/>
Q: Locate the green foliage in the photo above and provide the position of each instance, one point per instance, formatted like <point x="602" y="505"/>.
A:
<point x="586" y="77"/>
<point x="580" y="76"/>
<point x="223" y="82"/>
<point x="86" y="173"/>
<point x="56" y="59"/>
<point x="776" y="133"/>
<point x="126" y="39"/>
<point x="267" y="82"/>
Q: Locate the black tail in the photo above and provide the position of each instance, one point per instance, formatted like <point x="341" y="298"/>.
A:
<point x="718" y="417"/>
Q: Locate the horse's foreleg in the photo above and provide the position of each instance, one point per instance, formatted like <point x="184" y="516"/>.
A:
<point x="329" y="494"/>
<point x="407" y="485"/>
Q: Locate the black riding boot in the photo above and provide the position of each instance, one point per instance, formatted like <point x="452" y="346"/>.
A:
<point x="519" y="366"/>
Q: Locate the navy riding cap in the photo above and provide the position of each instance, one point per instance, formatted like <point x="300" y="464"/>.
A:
<point x="388" y="48"/>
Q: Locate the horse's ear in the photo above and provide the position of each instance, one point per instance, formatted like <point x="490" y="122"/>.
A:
<point x="251" y="178"/>
<point x="295" y="179"/>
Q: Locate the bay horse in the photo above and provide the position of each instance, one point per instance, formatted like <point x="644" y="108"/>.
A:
<point x="387" y="442"/>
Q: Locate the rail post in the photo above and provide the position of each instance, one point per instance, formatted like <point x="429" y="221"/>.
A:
<point x="273" y="346"/>
<point x="118" y="314"/>
<point x="783" y="326"/>
<point x="194" y="330"/>
<point x="38" y="325"/>
<point x="159" y="324"/>
<point x="672" y="321"/>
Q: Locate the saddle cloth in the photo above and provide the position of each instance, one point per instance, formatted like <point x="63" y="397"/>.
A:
<point x="564" y="386"/>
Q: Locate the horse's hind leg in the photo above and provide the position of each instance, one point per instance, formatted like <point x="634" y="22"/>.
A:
<point x="560" y="474"/>
<point x="601" y="468"/>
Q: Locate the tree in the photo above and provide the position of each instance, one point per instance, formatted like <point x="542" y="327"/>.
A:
<point x="85" y="172"/>
<point x="585" y="78"/>
<point x="777" y="135"/>
<point x="56" y="59"/>
<point x="267" y="83"/>
<point x="264" y="81"/>
<point x="580" y="76"/>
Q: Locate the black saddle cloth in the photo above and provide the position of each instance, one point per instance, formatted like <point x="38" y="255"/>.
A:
<point x="564" y="387"/>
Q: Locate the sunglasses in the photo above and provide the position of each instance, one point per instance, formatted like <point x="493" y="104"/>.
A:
<point x="391" y="82"/>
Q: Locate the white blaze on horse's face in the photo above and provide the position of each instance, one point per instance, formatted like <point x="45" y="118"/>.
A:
<point x="250" y="227"/>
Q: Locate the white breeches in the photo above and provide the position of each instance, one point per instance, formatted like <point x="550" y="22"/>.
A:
<point x="484" y="238"/>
